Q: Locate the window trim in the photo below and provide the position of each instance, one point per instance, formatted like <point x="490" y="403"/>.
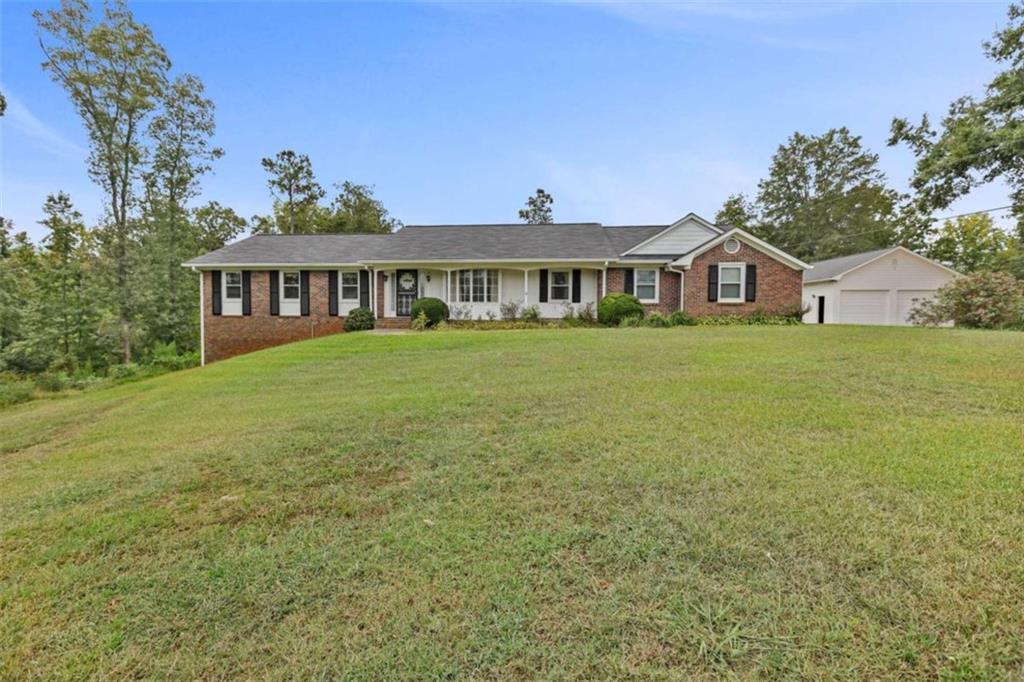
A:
<point x="567" y="285"/>
<point x="225" y="285"/>
<point x="657" y="284"/>
<point x="284" y="287"/>
<point x="486" y="281"/>
<point x="341" y="286"/>
<point x="743" y="282"/>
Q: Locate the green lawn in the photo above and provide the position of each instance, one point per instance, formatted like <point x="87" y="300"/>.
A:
<point x="792" y="501"/>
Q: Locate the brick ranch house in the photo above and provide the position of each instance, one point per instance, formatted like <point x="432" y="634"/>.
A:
<point x="272" y="289"/>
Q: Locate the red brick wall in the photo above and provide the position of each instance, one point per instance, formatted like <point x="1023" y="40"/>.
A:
<point x="229" y="335"/>
<point x="668" y="290"/>
<point x="779" y="286"/>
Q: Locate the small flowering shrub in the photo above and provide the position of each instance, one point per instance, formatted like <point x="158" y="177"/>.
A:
<point x="982" y="300"/>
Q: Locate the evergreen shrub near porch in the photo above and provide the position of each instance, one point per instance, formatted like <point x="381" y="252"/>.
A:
<point x="616" y="307"/>
<point x="434" y="309"/>
<point x="360" y="319"/>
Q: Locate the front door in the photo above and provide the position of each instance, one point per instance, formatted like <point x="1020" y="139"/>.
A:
<point x="406" y="286"/>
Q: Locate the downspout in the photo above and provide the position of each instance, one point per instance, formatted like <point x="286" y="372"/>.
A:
<point x="202" y="320"/>
<point x="373" y="290"/>
<point x="682" y="280"/>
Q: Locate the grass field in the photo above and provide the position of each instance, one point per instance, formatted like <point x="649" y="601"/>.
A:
<point x="794" y="501"/>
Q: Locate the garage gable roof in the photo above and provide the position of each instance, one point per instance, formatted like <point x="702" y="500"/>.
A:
<point x="833" y="269"/>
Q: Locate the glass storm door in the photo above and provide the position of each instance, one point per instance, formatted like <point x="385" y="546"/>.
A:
<point x="405" y="287"/>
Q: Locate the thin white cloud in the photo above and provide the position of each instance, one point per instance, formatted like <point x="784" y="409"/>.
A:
<point x="654" y="190"/>
<point x="22" y="120"/>
<point x="720" y="19"/>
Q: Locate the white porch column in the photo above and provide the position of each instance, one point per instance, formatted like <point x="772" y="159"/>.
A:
<point x="604" y="282"/>
<point x="526" y="287"/>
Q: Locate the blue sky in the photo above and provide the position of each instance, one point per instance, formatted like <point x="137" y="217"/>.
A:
<point x="456" y="112"/>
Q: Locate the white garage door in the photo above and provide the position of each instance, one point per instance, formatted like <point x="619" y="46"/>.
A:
<point x="863" y="307"/>
<point x="908" y="299"/>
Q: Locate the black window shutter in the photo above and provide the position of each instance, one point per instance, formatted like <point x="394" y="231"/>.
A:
<point x="712" y="283"/>
<point x="627" y="282"/>
<point x="275" y="298"/>
<point x="215" y="291"/>
<point x="364" y="288"/>
<point x="751" y="282"/>
<point x="543" y="286"/>
<point x="332" y="292"/>
<point x="304" y="291"/>
<point x="246" y="292"/>
<point x="577" y="277"/>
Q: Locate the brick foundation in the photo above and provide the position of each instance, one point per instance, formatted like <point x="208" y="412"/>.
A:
<point x="230" y="335"/>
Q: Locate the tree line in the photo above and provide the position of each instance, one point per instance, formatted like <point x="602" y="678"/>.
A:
<point x="824" y="195"/>
<point x="90" y="296"/>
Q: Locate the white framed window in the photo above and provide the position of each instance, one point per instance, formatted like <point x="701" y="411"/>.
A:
<point x="477" y="286"/>
<point x="290" y="286"/>
<point x="349" y="286"/>
<point x="233" y="285"/>
<point x="645" y="285"/>
<point x="731" y="279"/>
<point x="559" y="286"/>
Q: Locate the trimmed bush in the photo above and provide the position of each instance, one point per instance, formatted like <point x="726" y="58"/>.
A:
<point x="359" y="319"/>
<point x="681" y="318"/>
<point x="656" y="319"/>
<point x="614" y="308"/>
<point x="530" y="314"/>
<point x="435" y="310"/>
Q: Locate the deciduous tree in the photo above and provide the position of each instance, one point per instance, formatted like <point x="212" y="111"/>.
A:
<point x="115" y="73"/>
<point x="979" y="140"/>
<point x="538" y="208"/>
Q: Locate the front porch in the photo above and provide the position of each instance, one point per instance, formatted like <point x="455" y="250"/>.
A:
<point x="478" y="291"/>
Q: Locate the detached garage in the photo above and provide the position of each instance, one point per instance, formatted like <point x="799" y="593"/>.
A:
<point x="877" y="287"/>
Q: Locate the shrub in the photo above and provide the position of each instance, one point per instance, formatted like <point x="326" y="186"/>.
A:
<point x="586" y="315"/>
<point x="681" y="318"/>
<point x="14" y="390"/>
<point x="531" y="314"/>
<point x="460" y="312"/>
<point x="166" y="356"/>
<point x="631" y="321"/>
<point x="656" y="319"/>
<point x="434" y="309"/>
<point x="128" y="370"/>
<point x="52" y="382"/>
<point x="982" y="300"/>
<point x="509" y="310"/>
<point x="614" y="308"/>
<point x="359" y="319"/>
<point x="420" y="323"/>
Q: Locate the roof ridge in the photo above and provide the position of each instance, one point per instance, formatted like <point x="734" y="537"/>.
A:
<point x="500" y="224"/>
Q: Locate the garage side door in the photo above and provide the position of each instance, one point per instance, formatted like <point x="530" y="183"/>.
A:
<point x="863" y="307"/>
<point x="908" y="299"/>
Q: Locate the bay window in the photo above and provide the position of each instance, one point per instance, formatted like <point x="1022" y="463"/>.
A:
<point x="477" y="286"/>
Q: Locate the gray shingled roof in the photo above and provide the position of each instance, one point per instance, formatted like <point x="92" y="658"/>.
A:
<point x="589" y="241"/>
<point x="833" y="267"/>
<point x="296" y="249"/>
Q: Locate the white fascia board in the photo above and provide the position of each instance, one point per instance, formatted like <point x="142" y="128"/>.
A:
<point x="759" y="244"/>
<point x="902" y="249"/>
<point x="263" y="266"/>
<point x="711" y="227"/>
